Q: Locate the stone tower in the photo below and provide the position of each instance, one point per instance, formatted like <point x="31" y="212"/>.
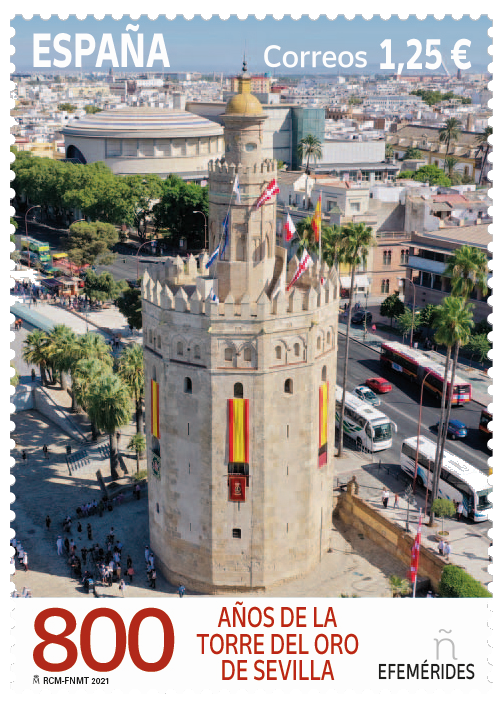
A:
<point x="240" y="387"/>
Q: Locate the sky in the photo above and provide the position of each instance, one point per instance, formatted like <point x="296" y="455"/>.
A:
<point x="218" y="45"/>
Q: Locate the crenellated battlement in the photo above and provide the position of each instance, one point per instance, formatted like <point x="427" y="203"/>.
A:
<point x="220" y="166"/>
<point x="309" y="297"/>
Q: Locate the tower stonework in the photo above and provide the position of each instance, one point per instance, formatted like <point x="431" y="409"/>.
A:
<point x="255" y="347"/>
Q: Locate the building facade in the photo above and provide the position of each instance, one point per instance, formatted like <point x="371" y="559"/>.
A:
<point x="240" y="376"/>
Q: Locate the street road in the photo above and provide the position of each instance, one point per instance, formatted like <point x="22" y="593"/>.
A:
<point x="402" y="406"/>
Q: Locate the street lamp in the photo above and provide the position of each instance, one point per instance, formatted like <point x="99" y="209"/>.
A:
<point x="408" y="280"/>
<point x="418" y="438"/>
<point x="153" y="244"/>
<point x="205" y="227"/>
<point x="26" y="230"/>
<point x="366" y="314"/>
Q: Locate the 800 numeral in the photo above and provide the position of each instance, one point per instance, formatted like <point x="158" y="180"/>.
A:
<point x="123" y="640"/>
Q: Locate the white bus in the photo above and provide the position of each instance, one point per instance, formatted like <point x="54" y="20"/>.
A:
<point x="458" y="480"/>
<point x="368" y="426"/>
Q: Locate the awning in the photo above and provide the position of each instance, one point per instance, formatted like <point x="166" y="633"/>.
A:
<point x="360" y="281"/>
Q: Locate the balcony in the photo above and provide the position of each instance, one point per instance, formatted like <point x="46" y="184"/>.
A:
<point x="425" y="264"/>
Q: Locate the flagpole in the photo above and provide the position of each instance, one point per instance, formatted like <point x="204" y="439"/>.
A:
<point x="221" y="235"/>
<point x="320" y="236"/>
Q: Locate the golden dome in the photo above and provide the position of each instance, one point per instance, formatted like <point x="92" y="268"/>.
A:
<point x="244" y="103"/>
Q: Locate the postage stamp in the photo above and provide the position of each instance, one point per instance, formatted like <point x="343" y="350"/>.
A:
<point x="250" y="280"/>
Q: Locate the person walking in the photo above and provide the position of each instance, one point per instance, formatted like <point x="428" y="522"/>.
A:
<point x="385" y="498"/>
<point x="33" y="375"/>
<point x="24" y="456"/>
<point x="181" y="590"/>
<point x="67" y="546"/>
<point x="79" y="527"/>
<point x="48" y="522"/>
<point x="153" y="579"/>
<point x="130" y="573"/>
<point x="460" y="510"/>
<point x="89" y="532"/>
<point x="122" y="587"/>
<point x="447" y="550"/>
<point x="441" y="547"/>
<point x="46" y="451"/>
<point x="84" y="555"/>
<point x="59" y="545"/>
<point x="396" y="500"/>
<point x="25" y="561"/>
<point x="137" y="491"/>
<point x="151" y="560"/>
<point x="147" y="554"/>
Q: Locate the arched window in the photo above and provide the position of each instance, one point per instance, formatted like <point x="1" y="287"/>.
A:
<point x="328" y="338"/>
<point x="229" y="354"/>
<point x="150" y="337"/>
<point x="238" y="390"/>
<point x="318" y="343"/>
<point x="154" y="374"/>
<point x="179" y="348"/>
<point x="247" y="354"/>
<point x="196" y="352"/>
<point x="278" y="352"/>
<point x="187" y="385"/>
<point x="324" y="374"/>
<point x="158" y="342"/>
<point x="288" y="386"/>
<point x="297" y="349"/>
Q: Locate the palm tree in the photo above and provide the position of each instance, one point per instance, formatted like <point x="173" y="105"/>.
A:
<point x="36" y="352"/>
<point x="94" y="346"/>
<point x="109" y="409"/>
<point x="138" y="444"/>
<point x="132" y="372"/>
<point x="450" y="163"/>
<point x="86" y="373"/>
<point x="453" y="328"/>
<point x="355" y="244"/>
<point x="468" y="269"/>
<point x="389" y="151"/>
<point x="311" y="147"/>
<point x="484" y="148"/>
<point x="399" y="586"/>
<point x="62" y="341"/>
<point x="449" y="133"/>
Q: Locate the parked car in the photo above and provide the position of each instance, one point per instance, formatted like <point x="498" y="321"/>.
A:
<point x="364" y="393"/>
<point x="359" y="317"/>
<point x="456" y="429"/>
<point x="379" y="385"/>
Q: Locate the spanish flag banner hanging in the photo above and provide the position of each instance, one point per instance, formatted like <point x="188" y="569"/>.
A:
<point x="323" y="424"/>
<point x="317" y="220"/>
<point x="238" y="431"/>
<point x="237" y="488"/>
<point x="155" y="409"/>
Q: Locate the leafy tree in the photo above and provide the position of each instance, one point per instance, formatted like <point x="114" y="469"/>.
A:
<point x="145" y="191"/>
<point x="443" y="508"/>
<point x="408" y="175"/>
<point x="433" y="175"/>
<point x="392" y="307"/>
<point x="412" y="153"/>
<point x="456" y="582"/>
<point x="14" y="378"/>
<point x="175" y="211"/>
<point x="14" y="224"/>
<point x="91" y="243"/>
<point x="109" y="409"/>
<point x="131" y="371"/>
<point x="357" y="239"/>
<point x="450" y="163"/>
<point x="389" y="151"/>
<point x="483" y="327"/>
<point x="479" y="345"/>
<point x="129" y="303"/>
<point x="427" y="316"/>
<point x="66" y="107"/>
<point x="311" y="147"/>
<point x="355" y="100"/>
<point x="92" y="109"/>
<point x="408" y="321"/>
<point x="102" y="287"/>
<point x="137" y="444"/>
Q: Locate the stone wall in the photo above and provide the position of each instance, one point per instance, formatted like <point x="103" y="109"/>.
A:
<point x="357" y="513"/>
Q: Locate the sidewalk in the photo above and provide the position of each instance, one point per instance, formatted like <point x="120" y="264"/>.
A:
<point x="469" y="542"/>
<point x="479" y="380"/>
<point x="108" y="322"/>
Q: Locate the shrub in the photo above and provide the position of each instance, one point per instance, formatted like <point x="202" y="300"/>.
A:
<point x="456" y="582"/>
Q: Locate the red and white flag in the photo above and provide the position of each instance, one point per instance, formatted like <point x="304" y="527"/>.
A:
<point x="305" y="262"/>
<point x="415" y="552"/>
<point x="289" y="229"/>
<point x="269" y="192"/>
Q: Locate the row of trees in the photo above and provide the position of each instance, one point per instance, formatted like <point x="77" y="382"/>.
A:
<point x="432" y="97"/>
<point x="106" y="389"/>
<point x="104" y="197"/>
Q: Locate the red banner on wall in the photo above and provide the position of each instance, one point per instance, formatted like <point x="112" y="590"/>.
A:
<point x="237" y="488"/>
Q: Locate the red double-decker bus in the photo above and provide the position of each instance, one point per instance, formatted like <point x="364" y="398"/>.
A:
<point x="416" y="366"/>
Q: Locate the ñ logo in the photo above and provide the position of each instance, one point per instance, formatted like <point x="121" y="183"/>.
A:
<point x="36" y="680"/>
